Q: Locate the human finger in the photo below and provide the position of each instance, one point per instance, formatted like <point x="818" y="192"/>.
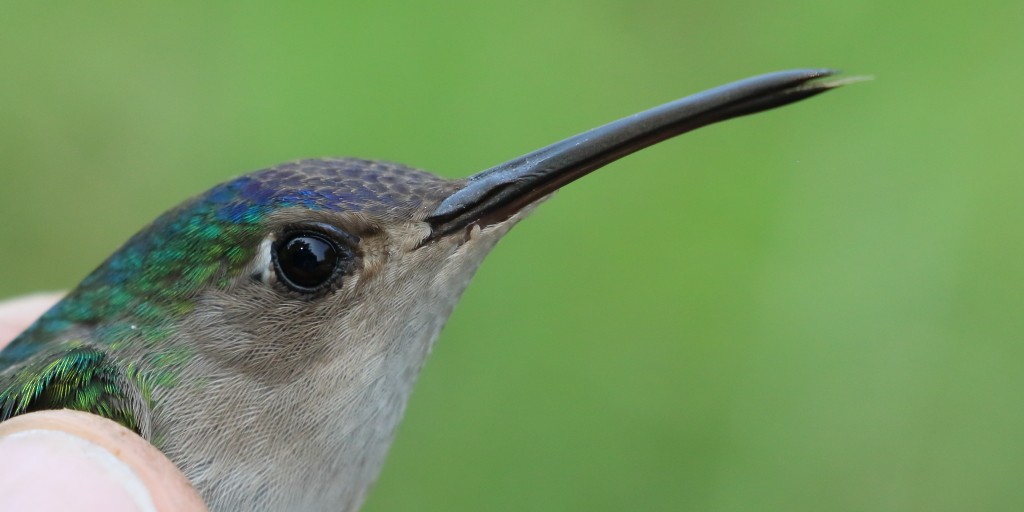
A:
<point x="63" y="459"/>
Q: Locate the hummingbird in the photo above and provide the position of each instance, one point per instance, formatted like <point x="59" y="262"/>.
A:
<point x="266" y="335"/>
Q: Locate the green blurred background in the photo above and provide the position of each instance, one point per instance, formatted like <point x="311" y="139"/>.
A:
<point x="818" y="308"/>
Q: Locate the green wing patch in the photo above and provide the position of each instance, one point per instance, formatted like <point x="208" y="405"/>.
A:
<point x="79" y="378"/>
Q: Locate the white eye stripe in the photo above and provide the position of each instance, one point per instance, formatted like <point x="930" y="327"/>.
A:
<point x="263" y="263"/>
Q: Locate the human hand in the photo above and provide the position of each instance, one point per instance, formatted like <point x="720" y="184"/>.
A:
<point x="70" y="460"/>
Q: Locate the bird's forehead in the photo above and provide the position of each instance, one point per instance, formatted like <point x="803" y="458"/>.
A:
<point x="344" y="185"/>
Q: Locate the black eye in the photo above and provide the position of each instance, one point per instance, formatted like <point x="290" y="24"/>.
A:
<point x="307" y="262"/>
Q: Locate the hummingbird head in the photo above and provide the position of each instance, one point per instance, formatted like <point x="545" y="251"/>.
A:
<point x="310" y="338"/>
<point x="287" y="313"/>
<point x="338" y="260"/>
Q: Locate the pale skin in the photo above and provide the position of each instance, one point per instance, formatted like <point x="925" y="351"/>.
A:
<point x="69" y="460"/>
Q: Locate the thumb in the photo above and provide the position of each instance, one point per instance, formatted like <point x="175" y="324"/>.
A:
<point x="71" y="460"/>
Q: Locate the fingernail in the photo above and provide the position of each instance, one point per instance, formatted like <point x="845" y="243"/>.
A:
<point x="50" y="470"/>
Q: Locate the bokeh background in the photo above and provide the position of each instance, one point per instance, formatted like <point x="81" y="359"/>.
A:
<point x="818" y="308"/>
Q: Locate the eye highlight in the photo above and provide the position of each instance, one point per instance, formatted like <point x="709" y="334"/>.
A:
<point x="308" y="261"/>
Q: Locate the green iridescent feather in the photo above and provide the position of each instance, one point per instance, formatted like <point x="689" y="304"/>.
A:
<point x="80" y="378"/>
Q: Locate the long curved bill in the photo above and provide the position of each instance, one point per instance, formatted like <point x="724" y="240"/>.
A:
<point x="498" y="193"/>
